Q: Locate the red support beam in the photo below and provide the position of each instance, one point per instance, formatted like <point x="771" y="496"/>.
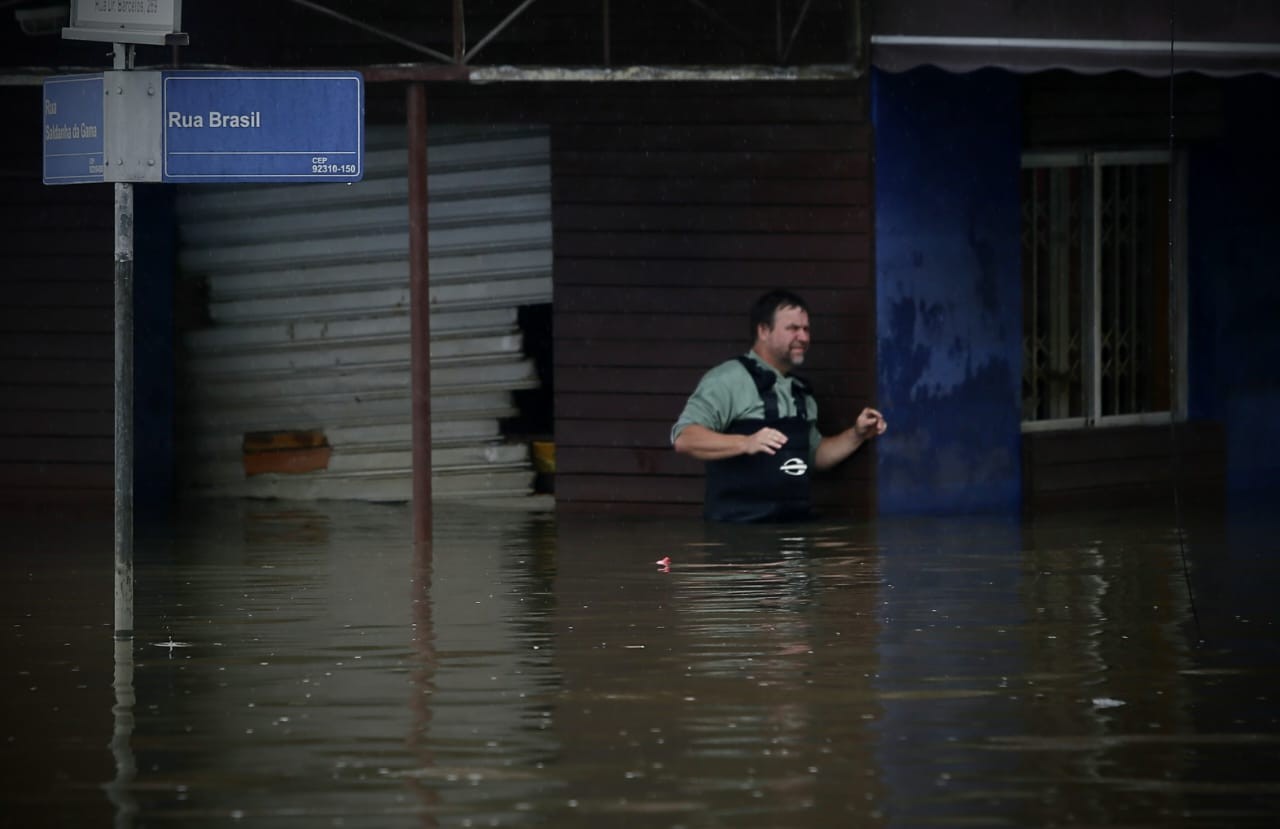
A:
<point x="419" y="311"/>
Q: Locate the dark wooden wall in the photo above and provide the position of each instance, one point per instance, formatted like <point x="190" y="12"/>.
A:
<point x="674" y="207"/>
<point x="55" y="324"/>
<point x="1118" y="110"/>
<point x="1123" y="465"/>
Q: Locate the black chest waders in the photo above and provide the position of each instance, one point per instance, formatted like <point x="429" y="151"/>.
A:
<point x="763" y="487"/>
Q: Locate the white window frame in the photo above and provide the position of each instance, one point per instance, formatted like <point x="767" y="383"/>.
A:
<point x="1091" y="323"/>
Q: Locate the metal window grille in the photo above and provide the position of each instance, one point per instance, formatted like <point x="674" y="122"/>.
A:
<point x="1095" y="276"/>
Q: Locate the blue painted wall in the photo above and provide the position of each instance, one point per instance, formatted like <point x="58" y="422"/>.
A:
<point x="1234" y="282"/>
<point x="948" y="286"/>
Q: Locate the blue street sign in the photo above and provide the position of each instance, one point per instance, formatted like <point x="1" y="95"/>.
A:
<point x="263" y="126"/>
<point x="73" y="129"/>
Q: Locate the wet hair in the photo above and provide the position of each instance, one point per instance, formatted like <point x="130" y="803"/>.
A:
<point x="764" y="309"/>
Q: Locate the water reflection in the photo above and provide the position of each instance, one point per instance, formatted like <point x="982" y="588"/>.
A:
<point x="734" y="685"/>
<point x="304" y="664"/>
<point x="119" y="790"/>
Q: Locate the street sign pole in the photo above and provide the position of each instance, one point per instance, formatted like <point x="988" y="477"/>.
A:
<point x="181" y="127"/>
<point x="124" y="434"/>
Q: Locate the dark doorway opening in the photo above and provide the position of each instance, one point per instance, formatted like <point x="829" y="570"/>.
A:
<point x="535" y="421"/>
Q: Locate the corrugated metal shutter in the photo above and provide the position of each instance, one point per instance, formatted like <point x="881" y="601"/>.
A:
<point x="308" y="327"/>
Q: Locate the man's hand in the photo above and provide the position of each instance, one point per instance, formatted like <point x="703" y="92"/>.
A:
<point x="707" y="445"/>
<point x="766" y="440"/>
<point x="870" y="423"/>
<point x="835" y="448"/>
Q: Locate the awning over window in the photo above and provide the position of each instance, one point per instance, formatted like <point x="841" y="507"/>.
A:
<point x="1214" y="37"/>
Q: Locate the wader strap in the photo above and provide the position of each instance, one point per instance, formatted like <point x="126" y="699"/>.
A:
<point x="765" y="381"/>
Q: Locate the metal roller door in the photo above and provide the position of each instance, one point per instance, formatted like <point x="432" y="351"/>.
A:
<point x="296" y="383"/>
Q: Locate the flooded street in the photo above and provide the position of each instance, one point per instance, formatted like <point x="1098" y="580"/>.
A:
<point x="300" y="665"/>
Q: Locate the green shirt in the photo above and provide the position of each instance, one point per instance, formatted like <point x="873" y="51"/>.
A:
<point x="728" y="393"/>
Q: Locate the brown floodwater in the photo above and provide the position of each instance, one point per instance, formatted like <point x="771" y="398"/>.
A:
<point x="302" y="665"/>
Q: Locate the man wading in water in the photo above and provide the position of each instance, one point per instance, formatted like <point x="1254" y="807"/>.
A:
<point x="754" y="423"/>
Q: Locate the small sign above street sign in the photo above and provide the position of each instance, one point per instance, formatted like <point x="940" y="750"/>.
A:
<point x="150" y="22"/>
<point x="263" y="126"/>
<point x="74" y="134"/>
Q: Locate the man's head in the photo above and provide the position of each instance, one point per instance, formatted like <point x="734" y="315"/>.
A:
<point x="780" y="329"/>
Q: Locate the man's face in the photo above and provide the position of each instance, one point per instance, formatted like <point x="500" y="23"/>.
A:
<point x="784" y="345"/>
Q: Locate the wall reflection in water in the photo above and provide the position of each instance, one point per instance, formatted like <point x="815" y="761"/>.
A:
<point x="305" y="663"/>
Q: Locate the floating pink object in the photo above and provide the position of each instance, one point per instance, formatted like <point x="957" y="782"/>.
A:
<point x="664" y="563"/>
